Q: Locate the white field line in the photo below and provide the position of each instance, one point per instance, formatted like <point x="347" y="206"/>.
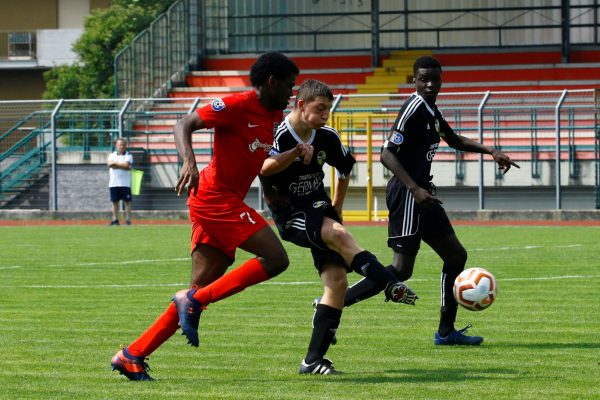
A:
<point x="298" y="283"/>
<point x="167" y="260"/>
<point x="128" y="262"/>
<point x="549" y="278"/>
<point x="182" y="285"/>
<point x="530" y="247"/>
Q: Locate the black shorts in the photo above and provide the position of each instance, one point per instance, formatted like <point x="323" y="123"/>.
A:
<point x="120" y="193"/>
<point x="409" y="223"/>
<point x="303" y="228"/>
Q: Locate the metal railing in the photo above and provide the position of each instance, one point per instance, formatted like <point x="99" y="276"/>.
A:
<point x="159" y="57"/>
<point x="392" y="25"/>
<point x="546" y="131"/>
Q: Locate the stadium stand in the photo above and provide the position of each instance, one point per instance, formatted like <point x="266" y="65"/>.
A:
<point x="223" y="75"/>
<point x="351" y="74"/>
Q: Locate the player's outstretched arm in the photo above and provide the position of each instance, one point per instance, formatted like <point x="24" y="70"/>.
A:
<point x="504" y="162"/>
<point x="188" y="177"/>
<point x="279" y="162"/>
<point x="463" y="143"/>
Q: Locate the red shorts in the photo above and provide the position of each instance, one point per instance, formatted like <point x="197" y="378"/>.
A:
<point x="225" y="224"/>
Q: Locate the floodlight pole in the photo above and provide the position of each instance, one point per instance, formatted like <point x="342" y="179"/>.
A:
<point x="480" y="131"/>
<point x="557" y="151"/>
<point x="375" y="33"/>
<point x="53" y="180"/>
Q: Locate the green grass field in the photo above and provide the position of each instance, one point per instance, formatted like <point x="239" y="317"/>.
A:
<point x="71" y="295"/>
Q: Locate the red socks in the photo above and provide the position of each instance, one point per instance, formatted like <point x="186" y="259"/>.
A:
<point x="249" y="273"/>
<point x="158" y="333"/>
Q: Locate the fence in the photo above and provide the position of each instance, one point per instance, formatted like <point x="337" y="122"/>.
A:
<point x="160" y="55"/>
<point x="328" y="25"/>
<point x="552" y="134"/>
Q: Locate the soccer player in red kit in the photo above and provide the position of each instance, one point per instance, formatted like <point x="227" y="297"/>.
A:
<point x="244" y="125"/>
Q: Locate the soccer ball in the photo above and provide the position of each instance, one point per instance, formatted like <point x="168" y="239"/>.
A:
<point x="475" y="289"/>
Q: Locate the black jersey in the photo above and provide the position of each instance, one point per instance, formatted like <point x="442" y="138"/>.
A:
<point x="304" y="183"/>
<point x="415" y="137"/>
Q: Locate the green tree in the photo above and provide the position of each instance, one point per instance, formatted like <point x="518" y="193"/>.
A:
<point x="106" y="31"/>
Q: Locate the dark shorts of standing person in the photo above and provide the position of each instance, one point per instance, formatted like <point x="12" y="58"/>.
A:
<point x="409" y="223"/>
<point x="303" y="228"/>
<point x="120" y="193"/>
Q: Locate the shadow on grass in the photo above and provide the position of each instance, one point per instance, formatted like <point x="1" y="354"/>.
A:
<point x="542" y="346"/>
<point x="428" y="375"/>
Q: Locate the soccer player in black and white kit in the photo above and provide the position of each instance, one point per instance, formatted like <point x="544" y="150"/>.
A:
<point x="306" y="216"/>
<point x="415" y="212"/>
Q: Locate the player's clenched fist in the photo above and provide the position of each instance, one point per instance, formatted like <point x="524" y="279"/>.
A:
<point x="305" y="152"/>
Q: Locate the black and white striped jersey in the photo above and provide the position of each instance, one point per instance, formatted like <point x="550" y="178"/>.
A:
<point x="415" y="137"/>
<point x="304" y="183"/>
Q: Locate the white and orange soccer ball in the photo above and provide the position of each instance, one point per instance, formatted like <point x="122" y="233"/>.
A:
<point x="475" y="289"/>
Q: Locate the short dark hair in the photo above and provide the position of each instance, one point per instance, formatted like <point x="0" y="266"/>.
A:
<point x="426" y="62"/>
<point x="311" y="89"/>
<point x="272" y="63"/>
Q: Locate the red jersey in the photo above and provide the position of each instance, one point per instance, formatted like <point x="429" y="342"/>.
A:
<point x="244" y="131"/>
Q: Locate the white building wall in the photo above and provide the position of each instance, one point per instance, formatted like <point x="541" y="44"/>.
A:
<point x="54" y="46"/>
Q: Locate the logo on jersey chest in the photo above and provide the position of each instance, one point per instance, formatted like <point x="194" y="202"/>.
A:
<point x="437" y="125"/>
<point x="321" y="156"/>
<point x="258" y="145"/>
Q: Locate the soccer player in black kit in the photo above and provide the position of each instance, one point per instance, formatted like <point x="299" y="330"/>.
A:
<point x="306" y="216"/>
<point x="415" y="212"/>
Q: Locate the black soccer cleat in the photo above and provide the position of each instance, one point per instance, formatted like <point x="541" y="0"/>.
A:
<point x="319" y="367"/>
<point x="189" y="310"/>
<point x="134" y="368"/>
<point x="399" y="292"/>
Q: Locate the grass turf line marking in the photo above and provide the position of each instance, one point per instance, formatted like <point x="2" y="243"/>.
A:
<point x="11" y="267"/>
<point x="539" y="278"/>
<point x="91" y="264"/>
<point x="127" y="262"/>
<point x="530" y="247"/>
<point x="116" y="286"/>
<point x="551" y="278"/>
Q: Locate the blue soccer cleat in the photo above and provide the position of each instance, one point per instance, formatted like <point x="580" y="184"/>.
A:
<point x="189" y="310"/>
<point x="457" y="338"/>
<point x="134" y="368"/>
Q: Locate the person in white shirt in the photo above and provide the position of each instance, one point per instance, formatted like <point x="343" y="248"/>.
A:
<point x="119" y="163"/>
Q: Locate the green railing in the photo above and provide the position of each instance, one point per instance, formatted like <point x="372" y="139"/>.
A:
<point x="533" y="127"/>
<point x="159" y="57"/>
